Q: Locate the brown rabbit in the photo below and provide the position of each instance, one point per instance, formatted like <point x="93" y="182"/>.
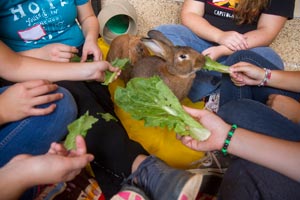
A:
<point x="127" y="46"/>
<point x="175" y="65"/>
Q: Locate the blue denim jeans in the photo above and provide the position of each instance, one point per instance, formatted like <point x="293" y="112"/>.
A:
<point x="205" y="82"/>
<point x="247" y="180"/>
<point x="228" y="91"/>
<point x="33" y="135"/>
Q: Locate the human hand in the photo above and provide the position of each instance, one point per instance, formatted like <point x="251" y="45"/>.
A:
<point x="215" y="52"/>
<point x="56" y="166"/>
<point x="91" y="48"/>
<point x="244" y="73"/>
<point x="96" y="70"/>
<point x="214" y="124"/>
<point x="233" y="40"/>
<point x="287" y="106"/>
<point x="56" y="52"/>
<point x="21" y="100"/>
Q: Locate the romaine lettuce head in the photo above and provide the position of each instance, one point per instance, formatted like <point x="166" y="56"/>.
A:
<point x="151" y="100"/>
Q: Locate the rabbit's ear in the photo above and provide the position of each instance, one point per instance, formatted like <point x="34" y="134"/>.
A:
<point x="157" y="35"/>
<point x="158" y="48"/>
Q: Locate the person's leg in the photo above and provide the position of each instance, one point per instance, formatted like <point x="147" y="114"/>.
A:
<point x="160" y="181"/>
<point x="33" y="135"/>
<point x="108" y="141"/>
<point x="270" y="55"/>
<point x="246" y="180"/>
<point x="205" y="83"/>
<point x="228" y="91"/>
<point x="180" y="35"/>
<point x="116" y="153"/>
<point x="255" y="116"/>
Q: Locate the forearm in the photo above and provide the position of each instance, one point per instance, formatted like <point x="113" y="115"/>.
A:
<point x="266" y="32"/>
<point x="276" y="154"/>
<point x="286" y="80"/>
<point x="12" y="182"/>
<point x="260" y="37"/>
<point x="201" y="27"/>
<point x="192" y="13"/>
<point x="26" y="68"/>
<point x="31" y="53"/>
<point x="90" y="28"/>
<point x="88" y="21"/>
<point x="19" y="68"/>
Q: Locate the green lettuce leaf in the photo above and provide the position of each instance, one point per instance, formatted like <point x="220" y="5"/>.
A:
<point x="78" y="127"/>
<point x="212" y="65"/>
<point x="107" y="117"/>
<point x="151" y="100"/>
<point x="120" y="63"/>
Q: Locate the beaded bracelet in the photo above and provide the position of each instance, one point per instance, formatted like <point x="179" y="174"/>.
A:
<point x="228" y="138"/>
<point x="266" y="78"/>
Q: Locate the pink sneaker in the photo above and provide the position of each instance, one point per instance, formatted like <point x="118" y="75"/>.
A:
<point x="129" y="192"/>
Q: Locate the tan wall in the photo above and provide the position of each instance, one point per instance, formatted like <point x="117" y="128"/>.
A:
<point x="152" y="13"/>
<point x="297" y="8"/>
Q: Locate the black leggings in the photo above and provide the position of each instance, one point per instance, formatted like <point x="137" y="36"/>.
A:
<point x="107" y="141"/>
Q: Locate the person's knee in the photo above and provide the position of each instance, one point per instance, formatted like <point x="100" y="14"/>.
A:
<point x="229" y="107"/>
<point x="238" y="56"/>
<point x="169" y="28"/>
<point x="234" y="110"/>
<point x="269" y="54"/>
<point x="67" y="104"/>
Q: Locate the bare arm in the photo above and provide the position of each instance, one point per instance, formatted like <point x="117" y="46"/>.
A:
<point x="287" y="80"/>
<point x="90" y="28"/>
<point x="266" y="32"/>
<point x="247" y="74"/>
<point x="192" y="16"/>
<point x="276" y="154"/>
<point x="264" y="35"/>
<point x="21" y="68"/>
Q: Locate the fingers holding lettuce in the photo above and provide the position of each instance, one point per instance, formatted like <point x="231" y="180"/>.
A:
<point x="213" y="123"/>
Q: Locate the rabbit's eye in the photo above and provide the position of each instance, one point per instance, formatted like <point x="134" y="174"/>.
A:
<point x="183" y="56"/>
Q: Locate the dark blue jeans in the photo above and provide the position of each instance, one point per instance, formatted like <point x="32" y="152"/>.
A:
<point x="228" y="91"/>
<point x="246" y="180"/>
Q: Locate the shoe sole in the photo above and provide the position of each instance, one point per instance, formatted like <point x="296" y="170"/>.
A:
<point x="129" y="192"/>
<point x="209" y="171"/>
<point x="191" y="188"/>
<point x="127" y="195"/>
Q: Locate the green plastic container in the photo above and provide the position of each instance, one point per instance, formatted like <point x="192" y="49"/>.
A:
<point x="118" y="24"/>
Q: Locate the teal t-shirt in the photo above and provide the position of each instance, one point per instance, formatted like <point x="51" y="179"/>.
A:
<point x="28" y="24"/>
